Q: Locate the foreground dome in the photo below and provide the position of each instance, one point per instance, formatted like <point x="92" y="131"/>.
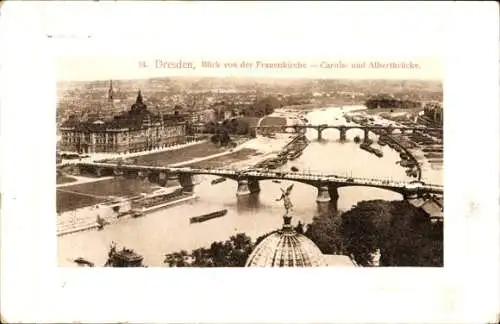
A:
<point x="286" y="248"/>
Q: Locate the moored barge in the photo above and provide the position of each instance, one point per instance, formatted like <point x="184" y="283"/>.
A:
<point x="372" y="150"/>
<point x="202" y="218"/>
<point x="218" y="180"/>
<point x="158" y="200"/>
<point x="294" y="154"/>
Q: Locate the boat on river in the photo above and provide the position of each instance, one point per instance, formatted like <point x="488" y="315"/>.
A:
<point x="205" y="217"/>
<point x="218" y="180"/>
<point x="157" y="200"/>
<point x="83" y="262"/>
<point x="294" y="154"/>
<point x="368" y="148"/>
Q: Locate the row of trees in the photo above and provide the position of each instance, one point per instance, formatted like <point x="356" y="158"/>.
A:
<point x="387" y="102"/>
<point x="221" y="137"/>
<point x="230" y="253"/>
<point x="236" y="126"/>
<point x="402" y="233"/>
<point x="262" y="107"/>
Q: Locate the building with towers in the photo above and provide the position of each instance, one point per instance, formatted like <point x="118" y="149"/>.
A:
<point x="134" y="130"/>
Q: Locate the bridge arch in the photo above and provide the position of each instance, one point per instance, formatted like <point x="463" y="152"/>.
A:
<point x="248" y="180"/>
<point x="326" y="192"/>
<point x="380" y="189"/>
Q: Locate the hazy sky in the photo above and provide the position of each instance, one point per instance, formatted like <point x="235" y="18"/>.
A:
<point x="124" y="33"/>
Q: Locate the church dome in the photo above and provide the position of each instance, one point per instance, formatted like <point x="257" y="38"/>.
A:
<point x="286" y="248"/>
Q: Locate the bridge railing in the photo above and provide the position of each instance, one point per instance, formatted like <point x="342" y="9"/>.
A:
<point x="317" y="175"/>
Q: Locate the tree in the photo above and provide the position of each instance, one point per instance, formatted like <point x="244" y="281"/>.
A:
<point x="263" y="106"/>
<point x="360" y="232"/>
<point x="210" y="127"/>
<point x="177" y="259"/>
<point x="384" y="101"/>
<point x="324" y="232"/>
<point x="190" y="128"/>
<point x="230" y="253"/>
<point x="221" y="136"/>
<point x="243" y="127"/>
<point x="402" y="232"/>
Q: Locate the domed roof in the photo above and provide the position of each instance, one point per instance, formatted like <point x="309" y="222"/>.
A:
<point x="286" y="248"/>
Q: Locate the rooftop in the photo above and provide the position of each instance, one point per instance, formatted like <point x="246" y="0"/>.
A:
<point x="286" y="248"/>
<point x="133" y="119"/>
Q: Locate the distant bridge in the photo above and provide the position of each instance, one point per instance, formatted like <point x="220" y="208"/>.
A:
<point x="344" y="128"/>
<point x="248" y="179"/>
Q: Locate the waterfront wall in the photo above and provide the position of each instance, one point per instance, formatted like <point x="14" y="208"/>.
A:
<point x="85" y="218"/>
<point x="393" y="143"/>
<point x="100" y="157"/>
<point x="408" y="153"/>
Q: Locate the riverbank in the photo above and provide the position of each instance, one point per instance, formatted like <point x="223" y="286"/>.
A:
<point x="416" y="144"/>
<point x="257" y="149"/>
<point x="62" y="179"/>
<point x="395" y="112"/>
<point x="76" y="196"/>
<point x="96" y="157"/>
<point x="168" y="158"/>
<point x="85" y="219"/>
<point x="81" y="180"/>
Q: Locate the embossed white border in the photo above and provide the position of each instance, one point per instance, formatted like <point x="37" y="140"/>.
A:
<point x="465" y="34"/>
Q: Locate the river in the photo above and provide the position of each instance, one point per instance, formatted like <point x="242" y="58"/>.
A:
<point x="169" y="230"/>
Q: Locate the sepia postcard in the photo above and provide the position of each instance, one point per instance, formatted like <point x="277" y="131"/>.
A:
<point x="242" y="171"/>
<point x="283" y="150"/>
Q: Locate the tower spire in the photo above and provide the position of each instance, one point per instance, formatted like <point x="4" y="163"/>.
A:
<point x="110" y="90"/>
<point x="139" y="97"/>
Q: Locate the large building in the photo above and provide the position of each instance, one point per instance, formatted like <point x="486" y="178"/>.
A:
<point x="137" y="129"/>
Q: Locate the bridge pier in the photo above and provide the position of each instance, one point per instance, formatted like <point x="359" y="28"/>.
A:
<point x="366" y="134"/>
<point x="162" y="179"/>
<point x="117" y="172"/>
<point x="243" y="188"/>
<point x="147" y="174"/>
<point x="98" y="172"/>
<point x="320" y="134"/>
<point x="410" y="195"/>
<point x="343" y="133"/>
<point x="323" y="195"/>
<point x="153" y="177"/>
<point x="186" y="182"/>
<point x="253" y="185"/>
<point x="334" y="195"/>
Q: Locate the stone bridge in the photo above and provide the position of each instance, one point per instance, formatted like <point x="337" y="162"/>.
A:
<point x="248" y="179"/>
<point x="343" y="129"/>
